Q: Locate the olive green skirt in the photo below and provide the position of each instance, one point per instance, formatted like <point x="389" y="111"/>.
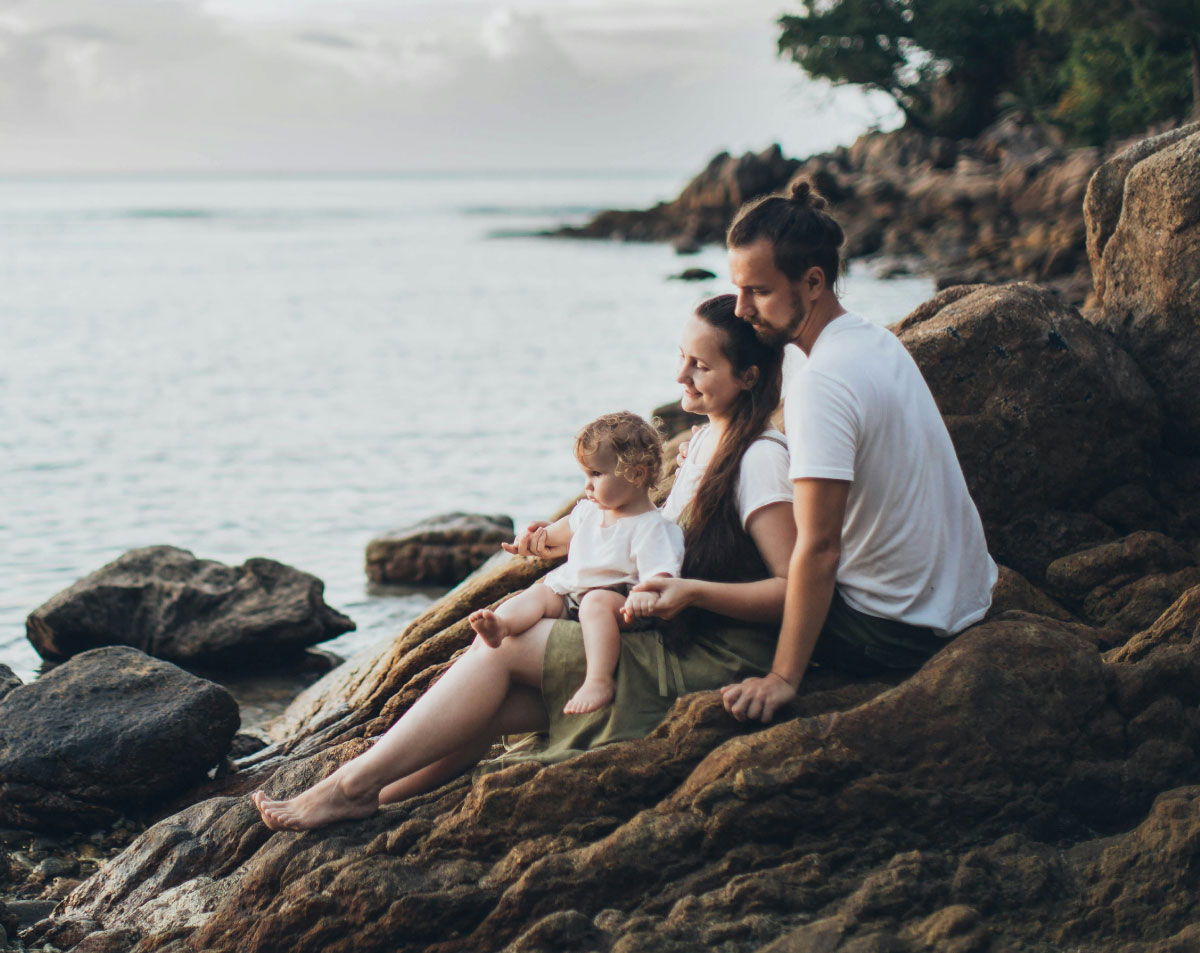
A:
<point x="649" y="677"/>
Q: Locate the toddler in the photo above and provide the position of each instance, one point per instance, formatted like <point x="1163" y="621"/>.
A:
<point x="614" y="539"/>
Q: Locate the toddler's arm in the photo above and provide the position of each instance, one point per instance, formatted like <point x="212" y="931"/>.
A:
<point x="546" y="540"/>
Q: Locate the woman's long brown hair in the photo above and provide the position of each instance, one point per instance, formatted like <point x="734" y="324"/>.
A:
<point x="717" y="546"/>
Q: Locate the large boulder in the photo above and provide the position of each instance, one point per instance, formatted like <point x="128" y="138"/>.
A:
<point x="1047" y="414"/>
<point x="440" y="551"/>
<point x="1143" y="240"/>
<point x="112" y="731"/>
<point x="171" y="605"/>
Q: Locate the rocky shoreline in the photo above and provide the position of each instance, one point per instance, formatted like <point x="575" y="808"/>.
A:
<point x="1004" y="206"/>
<point x="1034" y="787"/>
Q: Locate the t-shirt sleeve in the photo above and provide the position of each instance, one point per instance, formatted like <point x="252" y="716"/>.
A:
<point x="658" y="548"/>
<point x="763" y="478"/>
<point x="581" y="511"/>
<point x="822" y="418"/>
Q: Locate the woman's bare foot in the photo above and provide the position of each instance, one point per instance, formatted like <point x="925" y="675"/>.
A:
<point x="489" y="626"/>
<point x="323" y="803"/>
<point x="592" y="694"/>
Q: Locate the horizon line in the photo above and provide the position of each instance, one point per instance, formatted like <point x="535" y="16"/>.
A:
<point x="330" y="173"/>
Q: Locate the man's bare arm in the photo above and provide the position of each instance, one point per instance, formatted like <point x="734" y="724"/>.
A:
<point x="819" y="507"/>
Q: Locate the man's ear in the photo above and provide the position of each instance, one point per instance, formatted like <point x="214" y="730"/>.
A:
<point x="814" y="280"/>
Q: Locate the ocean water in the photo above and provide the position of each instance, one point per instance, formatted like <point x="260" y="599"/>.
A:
<point x="288" y="366"/>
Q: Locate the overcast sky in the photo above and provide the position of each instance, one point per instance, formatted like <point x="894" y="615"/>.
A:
<point x="291" y="85"/>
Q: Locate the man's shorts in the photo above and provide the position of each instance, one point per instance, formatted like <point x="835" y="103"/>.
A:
<point x="860" y="644"/>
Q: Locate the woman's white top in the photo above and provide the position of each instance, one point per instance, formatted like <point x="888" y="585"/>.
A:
<point x="762" y="479"/>
<point x="632" y="549"/>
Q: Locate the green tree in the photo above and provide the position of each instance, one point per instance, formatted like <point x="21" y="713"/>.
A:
<point x="1129" y="63"/>
<point x="944" y="62"/>
<point x="1098" y="67"/>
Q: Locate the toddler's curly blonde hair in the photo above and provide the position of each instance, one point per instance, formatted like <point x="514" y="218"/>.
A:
<point x="633" y="441"/>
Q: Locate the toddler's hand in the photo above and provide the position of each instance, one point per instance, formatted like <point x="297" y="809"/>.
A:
<point x="683" y="447"/>
<point x="638" y="605"/>
<point x="532" y="542"/>
<point x="671" y="595"/>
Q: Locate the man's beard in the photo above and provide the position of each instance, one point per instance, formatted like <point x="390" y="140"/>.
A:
<point x="778" y="337"/>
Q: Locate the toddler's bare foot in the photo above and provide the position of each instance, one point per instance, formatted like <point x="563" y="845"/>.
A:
<point x="592" y="694"/>
<point x="323" y="803"/>
<point x="489" y="626"/>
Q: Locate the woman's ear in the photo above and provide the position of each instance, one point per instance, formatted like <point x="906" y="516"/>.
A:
<point x="750" y="376"/>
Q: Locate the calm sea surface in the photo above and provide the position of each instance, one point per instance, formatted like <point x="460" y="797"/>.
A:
<point x="287" y="367"/>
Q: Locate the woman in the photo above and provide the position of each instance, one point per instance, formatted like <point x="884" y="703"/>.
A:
<point x="733" y="500"/>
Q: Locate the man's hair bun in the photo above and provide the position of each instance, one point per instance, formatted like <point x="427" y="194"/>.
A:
<point x="804" y="195"/>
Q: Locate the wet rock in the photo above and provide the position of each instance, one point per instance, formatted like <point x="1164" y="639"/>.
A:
<point x="171" y="605"/>
<point x="53" y="867"/>
<point x="8" y="680"/>
<point x="1045" y="412"/>
<point x="1143" y="241"/>
<point x="246" y="743"/>
<point x="440" y="550"/>
<point x="29" y="912"/>
<point x="694" y="274"/>
<point x="109" y="731"/>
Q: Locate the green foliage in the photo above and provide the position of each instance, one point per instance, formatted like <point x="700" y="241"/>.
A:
<point x="1098" y="67"/>
<point x="1117" y="86"/>
<point x="943" y="61"/>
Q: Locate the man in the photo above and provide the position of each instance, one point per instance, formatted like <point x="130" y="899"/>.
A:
<point x="890" y="557"/>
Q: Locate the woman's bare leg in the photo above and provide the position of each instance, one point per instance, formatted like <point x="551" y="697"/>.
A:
<point x="517" y="614"/>
<point x="451" y="717"/>
<point x="522" y="711"/>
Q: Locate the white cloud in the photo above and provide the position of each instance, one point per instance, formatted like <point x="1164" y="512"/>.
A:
<point x="170" y="84"/>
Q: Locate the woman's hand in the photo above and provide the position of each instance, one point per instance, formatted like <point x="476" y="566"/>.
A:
<point x="638" y="605"/>
<point x="532" y="542"/>
<point x="757" y="698"/>
<point x="673" y="595"/>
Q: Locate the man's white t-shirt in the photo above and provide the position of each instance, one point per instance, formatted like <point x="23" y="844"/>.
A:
<point x="913" y="547"/>
<point x="631" y="550"/>
<point x="762" y="476"/>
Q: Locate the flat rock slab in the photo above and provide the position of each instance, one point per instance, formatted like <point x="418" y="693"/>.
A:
<point x="171" y="605"/>
<point x="441" y="550"/>
<point x="113" y="731"/>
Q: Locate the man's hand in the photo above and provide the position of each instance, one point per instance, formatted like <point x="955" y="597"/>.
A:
<point x="757" y="698"/>
<point x="532" y="542"/>
<point x="672" y="595"/>
<point x="638" y="605"/>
